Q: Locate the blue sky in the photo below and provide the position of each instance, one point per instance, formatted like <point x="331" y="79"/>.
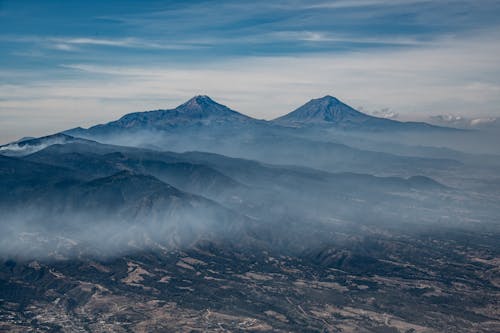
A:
<point x="72" y="63"/>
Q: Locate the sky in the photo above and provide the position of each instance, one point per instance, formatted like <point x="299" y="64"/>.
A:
<point x="68" y="63"/>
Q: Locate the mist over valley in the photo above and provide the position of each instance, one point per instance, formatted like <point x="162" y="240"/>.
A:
<point x="323" y="218"/>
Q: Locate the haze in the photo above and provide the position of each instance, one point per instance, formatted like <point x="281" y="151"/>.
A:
<point x="264" y="166"/>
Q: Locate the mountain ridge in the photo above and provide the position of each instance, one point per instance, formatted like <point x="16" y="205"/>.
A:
<point x="330" y="111"/>
<point x="202" y="111"/>
<point x="31" y="145"/>
<point x="327" y="108"/>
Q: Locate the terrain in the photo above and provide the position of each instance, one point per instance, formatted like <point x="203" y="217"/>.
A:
<point x="200" y="218"/>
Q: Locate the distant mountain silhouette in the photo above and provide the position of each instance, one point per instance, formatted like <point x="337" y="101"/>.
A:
<point x="325" y="109"/>
<point x="330" y="111"/>
<point x="198" y="111"/>
<point x="203" y="112"/>
<point x="29" y="145"/>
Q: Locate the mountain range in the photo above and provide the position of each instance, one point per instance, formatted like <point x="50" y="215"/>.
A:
<point x="200" y="218"/>
<point x="202" y="124"/>
<point x="203" y="111"/>
<point x="330" y="111"/>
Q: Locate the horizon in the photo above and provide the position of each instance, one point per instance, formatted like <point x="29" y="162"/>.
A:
<point x="212" y="100"/>
<point x="70" y="64"/>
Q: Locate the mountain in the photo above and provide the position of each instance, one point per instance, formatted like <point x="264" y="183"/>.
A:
<point x="330" y="111"/>
<point x="327" y="109"/>
<point x="99" y="160"/>
<point x="201" y="112"/>
<point x="28" y="146"/>
<point x="202" y="124"/>
<point x="198" y="111"/>
<point x="239" y="184"/>
<point x="21" y="179"/>
<point x="65" y="211"/>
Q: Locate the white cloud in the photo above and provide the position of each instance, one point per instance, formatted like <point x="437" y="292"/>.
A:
<point x="385" y="113"/>
<point x="463" y="122"/>
<point x="97" y="41"/>
<point x="68" y="43"/>
<point x="63" y="47"/>
<point x="72" y="43"/>
<point x="322" y="36"/>
<point x="482" y="121"/>
<point x="362" y="3"/>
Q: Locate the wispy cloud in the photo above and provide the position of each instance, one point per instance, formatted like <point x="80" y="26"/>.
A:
<point x="459" y="121"/>
<point x="361" y="3"/>
<point x="63" y="47"/>
<point x="73" y="43"/>
<point x="323" y="37"/>
<point x="385" y="113"/>
<point x="123" y="42"/>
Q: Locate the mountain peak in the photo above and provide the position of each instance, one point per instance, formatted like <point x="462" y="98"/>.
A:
<point x="199" y="110"/>
<point x="203" y="107"/>
<point x="327" y="109"/>
<point x="327" y="103"/>
<point x="201" y="100"/>
<point x="327" y="98"/>
<point x="201" y="104"/>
